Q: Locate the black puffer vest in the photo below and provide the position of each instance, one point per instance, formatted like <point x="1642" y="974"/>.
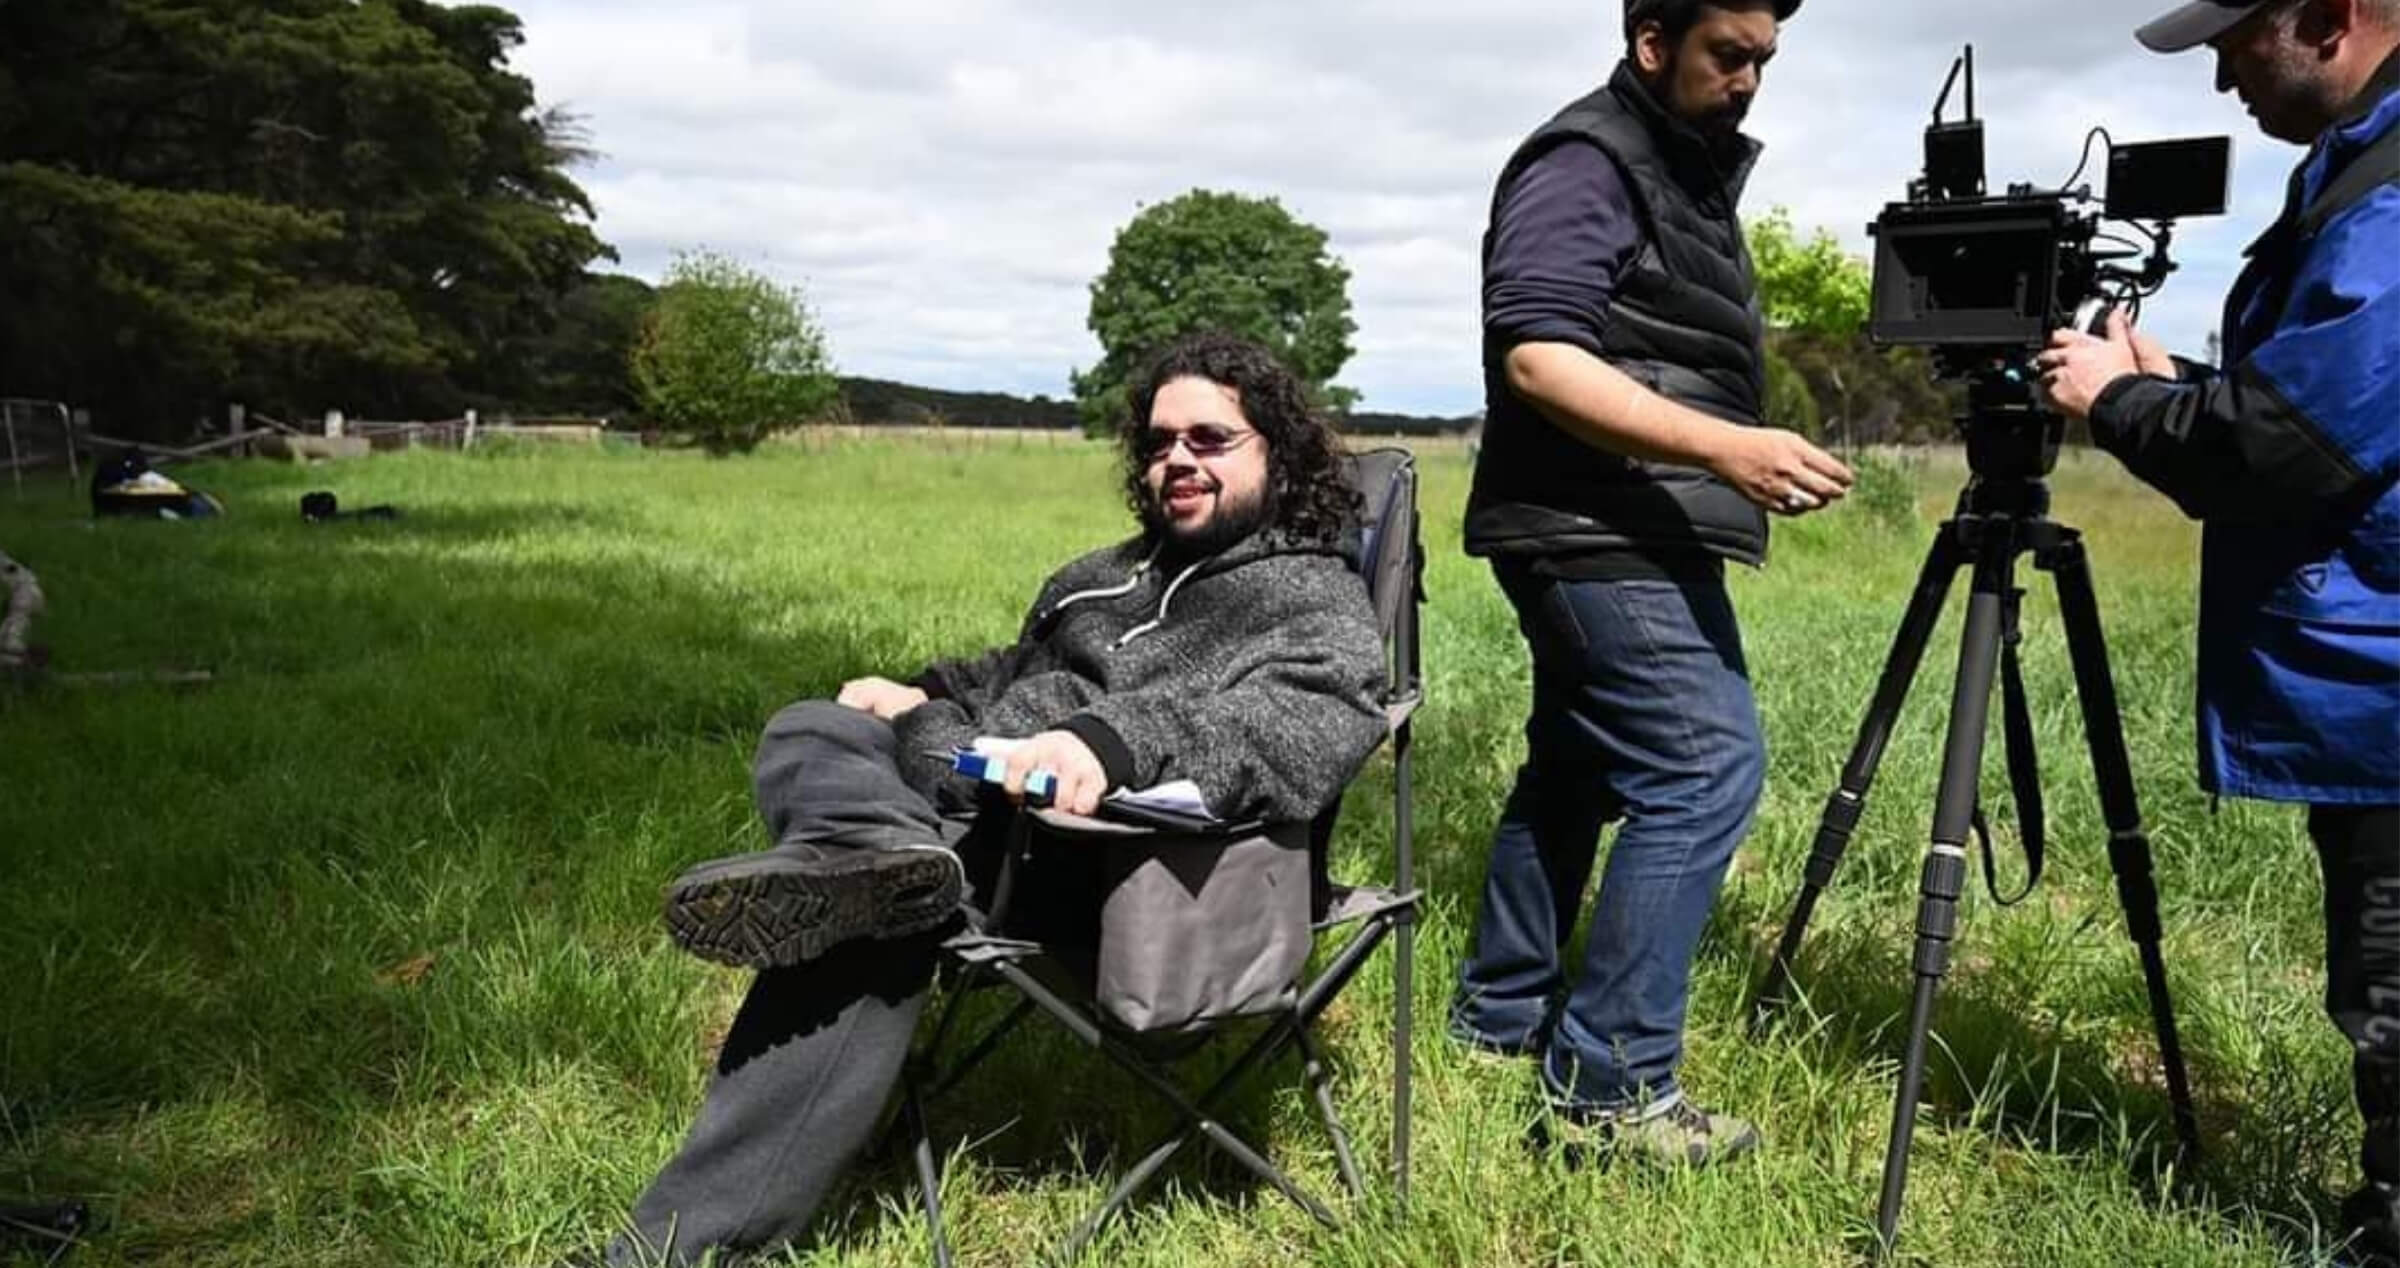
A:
<point x="1684" y="322"/>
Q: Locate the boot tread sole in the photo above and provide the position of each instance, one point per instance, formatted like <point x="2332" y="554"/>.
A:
<point x="765" y="911"/>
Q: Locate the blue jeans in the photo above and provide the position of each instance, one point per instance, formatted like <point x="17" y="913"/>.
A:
<point x="1642" y="712"/>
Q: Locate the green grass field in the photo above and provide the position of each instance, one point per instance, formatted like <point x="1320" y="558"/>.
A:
<point x="352" y="957"/>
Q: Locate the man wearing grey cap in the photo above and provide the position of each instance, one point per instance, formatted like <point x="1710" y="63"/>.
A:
<point x="2290" y="455"/>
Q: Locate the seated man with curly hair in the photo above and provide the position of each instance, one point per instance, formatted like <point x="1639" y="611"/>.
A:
<point x="1227" y="642"/>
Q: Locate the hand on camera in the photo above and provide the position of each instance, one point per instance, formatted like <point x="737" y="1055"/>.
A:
<point x="2077" y="367"/>
<point x="880" y="696"/>
<point x="1780" y="471"/>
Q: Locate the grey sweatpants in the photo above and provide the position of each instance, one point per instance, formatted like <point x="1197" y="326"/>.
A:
<point x="815" y="1048"/>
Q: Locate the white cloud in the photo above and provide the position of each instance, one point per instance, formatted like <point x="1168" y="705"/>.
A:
<point x="944" y="176"/>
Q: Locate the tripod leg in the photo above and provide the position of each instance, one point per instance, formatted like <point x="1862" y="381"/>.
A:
<point x="1946" y="862"/>
<point x="1849" y="799"/>
<point x="2128" y="847"/>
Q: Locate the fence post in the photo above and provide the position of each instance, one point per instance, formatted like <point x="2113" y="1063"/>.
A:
<point x="468" y="441"/>
<point x="237" y="422"/>
<point x="333" y="422"/>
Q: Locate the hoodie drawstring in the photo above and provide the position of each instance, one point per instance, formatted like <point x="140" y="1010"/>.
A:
<point x="1106" y="592"/>
<point x="1163" y="600"/>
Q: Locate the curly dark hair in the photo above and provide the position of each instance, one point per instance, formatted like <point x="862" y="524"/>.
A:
<point x="1308" y="496"/>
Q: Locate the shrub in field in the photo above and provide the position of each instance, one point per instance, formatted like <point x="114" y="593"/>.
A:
<point x="1886" y="489"/>
<point x="729" y="357"/>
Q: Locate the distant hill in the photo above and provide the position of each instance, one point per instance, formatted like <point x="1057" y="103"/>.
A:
<point x="882" y="402"/>
<point x="1367" y="423"/>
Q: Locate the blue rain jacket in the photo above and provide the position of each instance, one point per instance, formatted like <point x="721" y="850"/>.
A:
<point x="2291" y="457"/>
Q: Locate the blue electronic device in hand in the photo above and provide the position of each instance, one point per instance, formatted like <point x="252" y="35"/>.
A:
<point x="1040" y="785"/>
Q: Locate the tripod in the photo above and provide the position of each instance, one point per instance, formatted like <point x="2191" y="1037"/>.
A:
<point x="1997" y="519"/>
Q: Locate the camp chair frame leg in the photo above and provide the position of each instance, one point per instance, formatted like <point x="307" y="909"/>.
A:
<point x="1286" y="1031"/>
<point x="929" y="1172"/>
<point x="1404" y="950"/>
<point x="981" y="1049"/>
<point x="919" y="1084"/>
<point x="918" y="1072"/>
<point x="1195" y="1114"/>
<point x="1320" y="1086"/>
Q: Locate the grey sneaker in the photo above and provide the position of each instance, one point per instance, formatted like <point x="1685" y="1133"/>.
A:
<point x="783" y="906"/>
<point x="1679" y="1135"/>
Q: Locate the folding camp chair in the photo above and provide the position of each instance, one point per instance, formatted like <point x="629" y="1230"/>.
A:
<point x="1144" y="1015"/>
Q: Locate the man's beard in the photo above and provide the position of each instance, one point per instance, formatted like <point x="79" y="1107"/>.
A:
<point x="2294" y="108"/>
<point x="1231" y="522"/>
<point x="1718" y="124"/>
<point x="1723" y="122"/>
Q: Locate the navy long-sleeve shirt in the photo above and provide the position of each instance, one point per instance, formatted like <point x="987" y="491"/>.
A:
<point x="1562" y="234"/>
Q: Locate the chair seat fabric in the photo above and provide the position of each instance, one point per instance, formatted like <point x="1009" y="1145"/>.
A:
<point x="1191" y="929"/>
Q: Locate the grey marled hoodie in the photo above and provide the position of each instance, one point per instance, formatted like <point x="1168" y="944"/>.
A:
<point x="1254" y="673"/>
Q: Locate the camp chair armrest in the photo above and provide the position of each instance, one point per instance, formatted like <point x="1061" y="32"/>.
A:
<point x="1115" y="826"/>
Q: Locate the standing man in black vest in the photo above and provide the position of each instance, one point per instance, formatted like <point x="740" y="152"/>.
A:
<point x="1623" y="462"/>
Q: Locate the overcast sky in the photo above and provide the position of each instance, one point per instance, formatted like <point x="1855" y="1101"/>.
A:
<point x="944" y="176"/>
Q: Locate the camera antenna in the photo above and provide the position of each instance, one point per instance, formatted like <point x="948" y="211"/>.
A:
<point x="1966" y="62"/>
<point x="1953" y="151"/>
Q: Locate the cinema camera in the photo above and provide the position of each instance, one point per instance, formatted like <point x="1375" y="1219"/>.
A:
<point x="1982" y="279"/>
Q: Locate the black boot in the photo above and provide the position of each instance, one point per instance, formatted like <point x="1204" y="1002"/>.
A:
<point x="48" y="1229"/>
<point x="2371" y="1217"/>
<point x="786" y="905"/>
<point x="2373" y="1213"/>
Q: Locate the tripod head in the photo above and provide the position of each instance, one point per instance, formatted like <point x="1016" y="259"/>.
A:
<point x="2010" y="435"/>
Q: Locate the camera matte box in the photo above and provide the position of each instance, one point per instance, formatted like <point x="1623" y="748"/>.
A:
<point x="1979" y="272"/>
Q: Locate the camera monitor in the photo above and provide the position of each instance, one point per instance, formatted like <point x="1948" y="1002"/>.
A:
<point x="1976" y="273"/>
<point x="2168" y="180"/>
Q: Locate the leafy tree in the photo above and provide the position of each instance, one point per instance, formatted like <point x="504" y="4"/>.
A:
<point x="1816" y="299"/>
<point x="1221" y="261"/>
<point x="202" y="291"/>
<point x="729" y="356"/>
<point x="583" y="364"/>
<point x="1811" y="286"/>
<point x="301" y="202"/>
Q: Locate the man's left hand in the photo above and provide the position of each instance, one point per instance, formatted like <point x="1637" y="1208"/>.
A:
<point x="880" y="696"/>
<point x="1081" y="781"/>
<point x="2077" y="367"/>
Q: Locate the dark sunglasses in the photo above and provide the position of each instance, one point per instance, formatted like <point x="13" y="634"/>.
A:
<point x="1204" y="440"/>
